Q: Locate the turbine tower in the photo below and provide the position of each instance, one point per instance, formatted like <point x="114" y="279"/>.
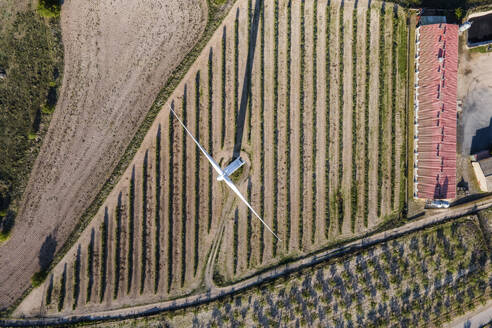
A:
<point x="224" y="174"/>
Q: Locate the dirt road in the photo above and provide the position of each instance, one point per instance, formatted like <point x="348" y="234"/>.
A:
<point x="273" y="273"/>
<point x="118" y="54"/>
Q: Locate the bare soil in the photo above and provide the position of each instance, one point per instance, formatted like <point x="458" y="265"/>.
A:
<point x="117" y="57"/>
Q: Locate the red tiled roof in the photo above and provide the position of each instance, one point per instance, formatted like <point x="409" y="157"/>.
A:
<point x="436" y="151"/>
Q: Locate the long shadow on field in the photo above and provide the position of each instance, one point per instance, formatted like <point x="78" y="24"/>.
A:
<point x="47" y="252"/>
<point x="246" y="92"/>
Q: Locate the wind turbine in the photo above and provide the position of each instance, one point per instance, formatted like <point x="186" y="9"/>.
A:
<point x="224" y="174"/>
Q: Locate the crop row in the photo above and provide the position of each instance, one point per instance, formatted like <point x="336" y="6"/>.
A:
<point x="314" y="123"/>
<point x="143" y="260"/>
<point x="301" y="129"/>
<point x="328" y="120"/>
<point x="104" y="255"/>
<point x="250" y="55"/>
<point x="236" y="76"/>
<point x="210" y="137"/>
<point x="262" y="128"/>
<point x="157" y="239"/>
<point x="235" y="239"/>
<point x="340" y="120"/>
<point x="184" y="190"/>
<point x="131" y="227"/>
<point x="381" y="106"/>
<point x="275" y="127"/>
<point x="366" y="117"/>
<point x="170" y="214"/>
<point x="223" y="94"/>
<point x="393" y="110"/>
<point x="353" y="189"/>
<point x="76" y="277"/>
<point x="117" y="249"/>
<point x="287" y="114"/>
<point x="197" y="174"/>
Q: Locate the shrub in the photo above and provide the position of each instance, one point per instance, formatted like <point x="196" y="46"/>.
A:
<point x="117" y="250"/>
<point x="76" y="279"/>
<point x="63" y="288"/>
<point x="104" y="255"/>
<point x="49" y="8"/>
<point x="38" y="278"/>
<point x="49" y="291"/>
<point x="90" y="267"/>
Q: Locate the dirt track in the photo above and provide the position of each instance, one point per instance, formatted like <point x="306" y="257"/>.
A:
<point x="117" y="57"/>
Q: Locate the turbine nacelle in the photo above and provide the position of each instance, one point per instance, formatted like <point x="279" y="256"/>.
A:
<point x="231" y="168"/>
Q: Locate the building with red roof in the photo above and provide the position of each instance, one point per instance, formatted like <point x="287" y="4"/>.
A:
<point x="436" y="73"/>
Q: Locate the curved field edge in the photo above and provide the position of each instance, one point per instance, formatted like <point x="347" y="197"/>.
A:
<point x="216" y="14"/>
<point x="273" y="278"/>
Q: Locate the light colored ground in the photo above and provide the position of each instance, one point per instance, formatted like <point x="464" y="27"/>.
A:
<point x="117" y="56"/>
<point x="224" y="205"/>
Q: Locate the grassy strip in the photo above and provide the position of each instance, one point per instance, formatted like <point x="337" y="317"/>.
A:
<point x="223" y="94"/>
<point x="117" y="249"/>
<point x="353" y="189"/>
<point x="250" y="102"/>
<point x="314" y="127"/>
<point x="170" y="208"/>
<point x="235" y="239"/>
<point x="76" y="278"/>
<point x="393" y="109"/>
<point x="131" y="232"/>
<point x="249" y="228"/>
<point x="157" y="217"/>
<point x="90" y="267"/>
<point x="210" y="137"/>
<point x="340" y="120"/>
<point x="402" y="72"/>
<point x="236" y="74"/>
<point x="183" y="193"/>
<point x="366" y="118"/>
<point x="381" y="109"/>
<point x="216" y="14"/>
<point x="63" y="288"/>
<point x="262" y="128"/>
<point x="328" y="122"/>
<point x="301" y="128"/>
<point x="287" y="112"/>
<point x="104" y="256"/>
<point x="275" y="127"/>
<point x="197" y="173"/>
<point x="143" y="263"/>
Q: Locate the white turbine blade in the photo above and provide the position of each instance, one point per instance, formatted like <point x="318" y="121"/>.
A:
<point x="210" y="159"/>
<point x="238" y="193"/>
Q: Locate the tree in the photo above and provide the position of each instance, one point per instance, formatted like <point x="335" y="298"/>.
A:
<point x="458" y="13"/>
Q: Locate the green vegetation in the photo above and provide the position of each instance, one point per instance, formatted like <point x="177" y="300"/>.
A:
<point x="49" y="8"/>
<point x="49" y="291"/>
<point x="314" y="123"/>
<point x="157" y="219"/>
<point x="183" y="197"/>
<point x="235" y="239"/>
<point x="104" y="255"/>
<point x="262" y="128"/>
<point x="301" y="128"/>
<point x="249" y="227"/>
<point x="275" y="127"/>
<point x="223" y="89"/>
<point x="170" y="213"/>
<point x="210" y="137"/>
<point x="393" y="109"/>
<point x="131" y="230"/>
<point x="366" y="118"/>
<point x="76" y="278"/>
<point x="250" y="97"/>
<point x="327" y="122"/>
<point x="236" y="75"/>
<point x="90" y="267"/>
<point x="197" y="173"/>
<point x="287" y="113"/>
<point x="117" y="249"/>
<point x="31" y="57"/>
<point x="339" y="201"/>
<point x="143" y="237"/>
<point x="353" y="189"/>
<point x="381" y="106"/>
<point x="63" y="288"/>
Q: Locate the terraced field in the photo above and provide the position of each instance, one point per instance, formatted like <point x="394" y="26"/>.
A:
<point x="312" y="97"/>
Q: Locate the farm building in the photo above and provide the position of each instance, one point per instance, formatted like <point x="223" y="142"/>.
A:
<point x="435" y="111"/>
<point x="483" y="171"/>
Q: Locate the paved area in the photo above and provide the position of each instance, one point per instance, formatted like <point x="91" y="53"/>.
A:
<point x="476" y="319"/>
